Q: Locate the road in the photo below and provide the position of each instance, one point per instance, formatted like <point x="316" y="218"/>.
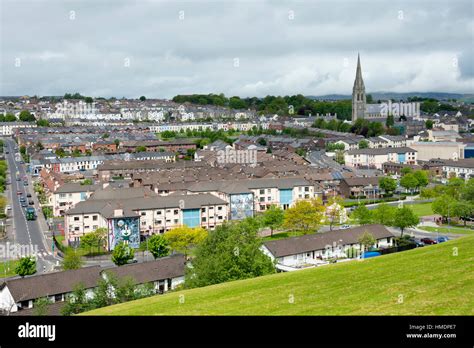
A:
<point x="25" y="232"/>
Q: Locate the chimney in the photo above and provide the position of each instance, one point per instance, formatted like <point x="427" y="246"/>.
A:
<point x="118" y="212"/>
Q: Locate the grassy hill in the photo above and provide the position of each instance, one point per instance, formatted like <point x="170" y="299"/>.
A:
<point x="427" y="281"/>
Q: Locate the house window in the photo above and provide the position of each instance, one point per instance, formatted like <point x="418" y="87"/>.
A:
<point x="219" y="208"/>
<point x="158" y="212"/>
<point x="176" y="211"/>
<point x="262" y="192"/>
<point x="143" y="213"/>
<point x="76" y="218"/>
<point x="94" y="218"/>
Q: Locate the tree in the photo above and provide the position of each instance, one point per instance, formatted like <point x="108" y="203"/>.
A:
<point x="273" y="218"/>
<point x="366" y="240"/>
<point x="26" y="116"/>
<point x="388" y="184"/>
<point x="334" y="211"/>
<point x="390" y="121"/>
<point x="429" y="124"/>
<point x="140" y="149"/>
<point x="142" y="98"/>
<point x="125" y="290"/>
<point x="42" y="123"/>
<point x="231" y="252"/>
<point x="158" y="246"/>
<point x="409" y="181"/>
<point x="89" y="100"/>
<point x="10" y="118"/>
<point x="405" y="218"/>
<point x="467" y="192"/>
<point x="122" y="254"/>
<point x="72" y="260"/>
<point x="455" y="187"/>
<point x="26" y="266"/>
<point x="363" y="144"/>
<point x="384" y="214"/>
<point x="463" y="210"/>
<point x="95" y="239"/>
<point x="182" y="239"/>
<point x="362" y="215"/>
<point x="422" y="178"/>
<point x="40" y="306"/>
<point x="406" y="170"/>
<point x="77" y="301"/>
<point x="444" y="206"/>
<point x="305" y="216"/>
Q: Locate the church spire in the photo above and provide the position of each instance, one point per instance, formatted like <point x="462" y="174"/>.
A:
<point x="358" y="94"/>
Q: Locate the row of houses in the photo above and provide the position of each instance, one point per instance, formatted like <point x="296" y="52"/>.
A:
<point x="19" y="296"/>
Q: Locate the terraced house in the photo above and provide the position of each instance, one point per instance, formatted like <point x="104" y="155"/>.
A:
<point x="144" y="211"/>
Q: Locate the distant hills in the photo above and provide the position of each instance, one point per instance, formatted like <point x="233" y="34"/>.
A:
<point x="400" y="96"/>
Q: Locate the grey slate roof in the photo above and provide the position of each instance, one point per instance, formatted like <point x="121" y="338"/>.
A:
<point x="319" y="241"/>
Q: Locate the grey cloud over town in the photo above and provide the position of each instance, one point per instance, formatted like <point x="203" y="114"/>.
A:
<point x="246" y="48"/>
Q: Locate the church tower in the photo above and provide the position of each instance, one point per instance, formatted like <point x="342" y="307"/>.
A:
<point x="358" y="94"/>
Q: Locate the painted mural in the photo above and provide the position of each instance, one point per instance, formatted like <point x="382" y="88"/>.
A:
<point x="241" y="206"/>
<point x="125" y="229"/>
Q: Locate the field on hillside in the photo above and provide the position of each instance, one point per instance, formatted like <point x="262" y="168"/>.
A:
<point x="433" y="280"/>
<point x="421" y="209"/>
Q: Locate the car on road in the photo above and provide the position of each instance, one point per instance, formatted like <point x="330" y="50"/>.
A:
<point x="24" y="204"/>
<point x="344" y="227"/>
<point x="18" y="179"/>
<point x="22" y="199"/>
<point x="428" y="241"/>
<point x="8" y="207"/>
<point x="25" y="183"/>
<point x="28" y="195"/>
<point x="442" y="239"/>
<point x="417" y="242"/>
<point x="6" y="152"/>
<point x="132" y="261"/>
<point x="19" y="193"/>
<point x="30" y="202"/>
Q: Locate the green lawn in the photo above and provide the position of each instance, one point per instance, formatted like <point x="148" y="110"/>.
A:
<point x="282" y="235"/>
<point x="421" y="209"/>
<point x="9" y="267"/>
<point x="433" y="280"/>
<point x="454" y="230"/>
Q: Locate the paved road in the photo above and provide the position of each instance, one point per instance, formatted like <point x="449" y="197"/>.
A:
<point x="25" y="232"/>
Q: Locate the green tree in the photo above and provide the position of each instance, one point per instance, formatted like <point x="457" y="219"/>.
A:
<point x="334" y="211"/>
<point x="384" y="214"/>
<point x="122" y="254"/>
<point x="89" y="100"/>
<point x="42" y="123"/>
<point x="231" y="252"/>
<point x="305" y="216"/>
<point x="455" y="187"/>
<point x="363" y="144"/>
<point x="390" y="121"/>
<point x="72" y="260"/>
<point x="27" y="116"/>
<point x="104" y="293"/>
<point x="126" y="290"/>
<point x="388" y="184"/>
<point x="26" y="266"/>
<point x="142" y="98"/>
<point x="94" y="240"/>
<point x="463" y="210"/>
<point x="10" y="118"/>
<point x="362" y="215"/>
<point x="429" y="124"/>
<point x="181" y="239"/>
<point x="409" y="182"/>
<point x="273" y="218"/>
<point x="366" y="240"/>
<point x="422" y="178"/>
<point x="406" y="170"/>
<point x="158" y="246"/>
<point x="444" y="205"/>
<point x="40" y="307"/>
<point x="467" y="192"/>
<point x="77" y="301"/>
<point x="140" y="149"/>
<point x="404" y="218"/>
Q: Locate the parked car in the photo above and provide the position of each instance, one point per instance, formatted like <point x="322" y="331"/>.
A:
<point x="25" y="183"/>
<point x="428" y="241"/>
<point x="132" y="261"/>
<point x="22" y="199"/>
<point x="28" y="195"/>
<point x="8" y="207"/>
<point x="24" y="204"/>
<point x="18" y="179"/>
<point x="418" y="242"/>
<point x="30" y="202"/>
<point x="442" y="239"/>
<point x="19" y="193"/>
<point x="343" y="227"/>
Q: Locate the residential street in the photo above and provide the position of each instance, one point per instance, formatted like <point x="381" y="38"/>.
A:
<point x="22" y="231"/>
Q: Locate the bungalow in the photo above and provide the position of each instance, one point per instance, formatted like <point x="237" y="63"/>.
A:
<point x="360" y="187"/>
<point x="18" y="295"/>
<point x="313" y="249"/>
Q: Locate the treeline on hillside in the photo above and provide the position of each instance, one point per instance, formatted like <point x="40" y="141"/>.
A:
<point x="432" y="105"/>
<point x="283" y="106"/>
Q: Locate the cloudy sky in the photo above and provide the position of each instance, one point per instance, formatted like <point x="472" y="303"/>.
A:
<point x="160" y="48"/>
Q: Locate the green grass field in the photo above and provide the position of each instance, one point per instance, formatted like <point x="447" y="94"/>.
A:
<point x="433" y="280"/>
<point x="454" y="230"/>
<point x="421" y="209"/>
<point x="7" y="268"/>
